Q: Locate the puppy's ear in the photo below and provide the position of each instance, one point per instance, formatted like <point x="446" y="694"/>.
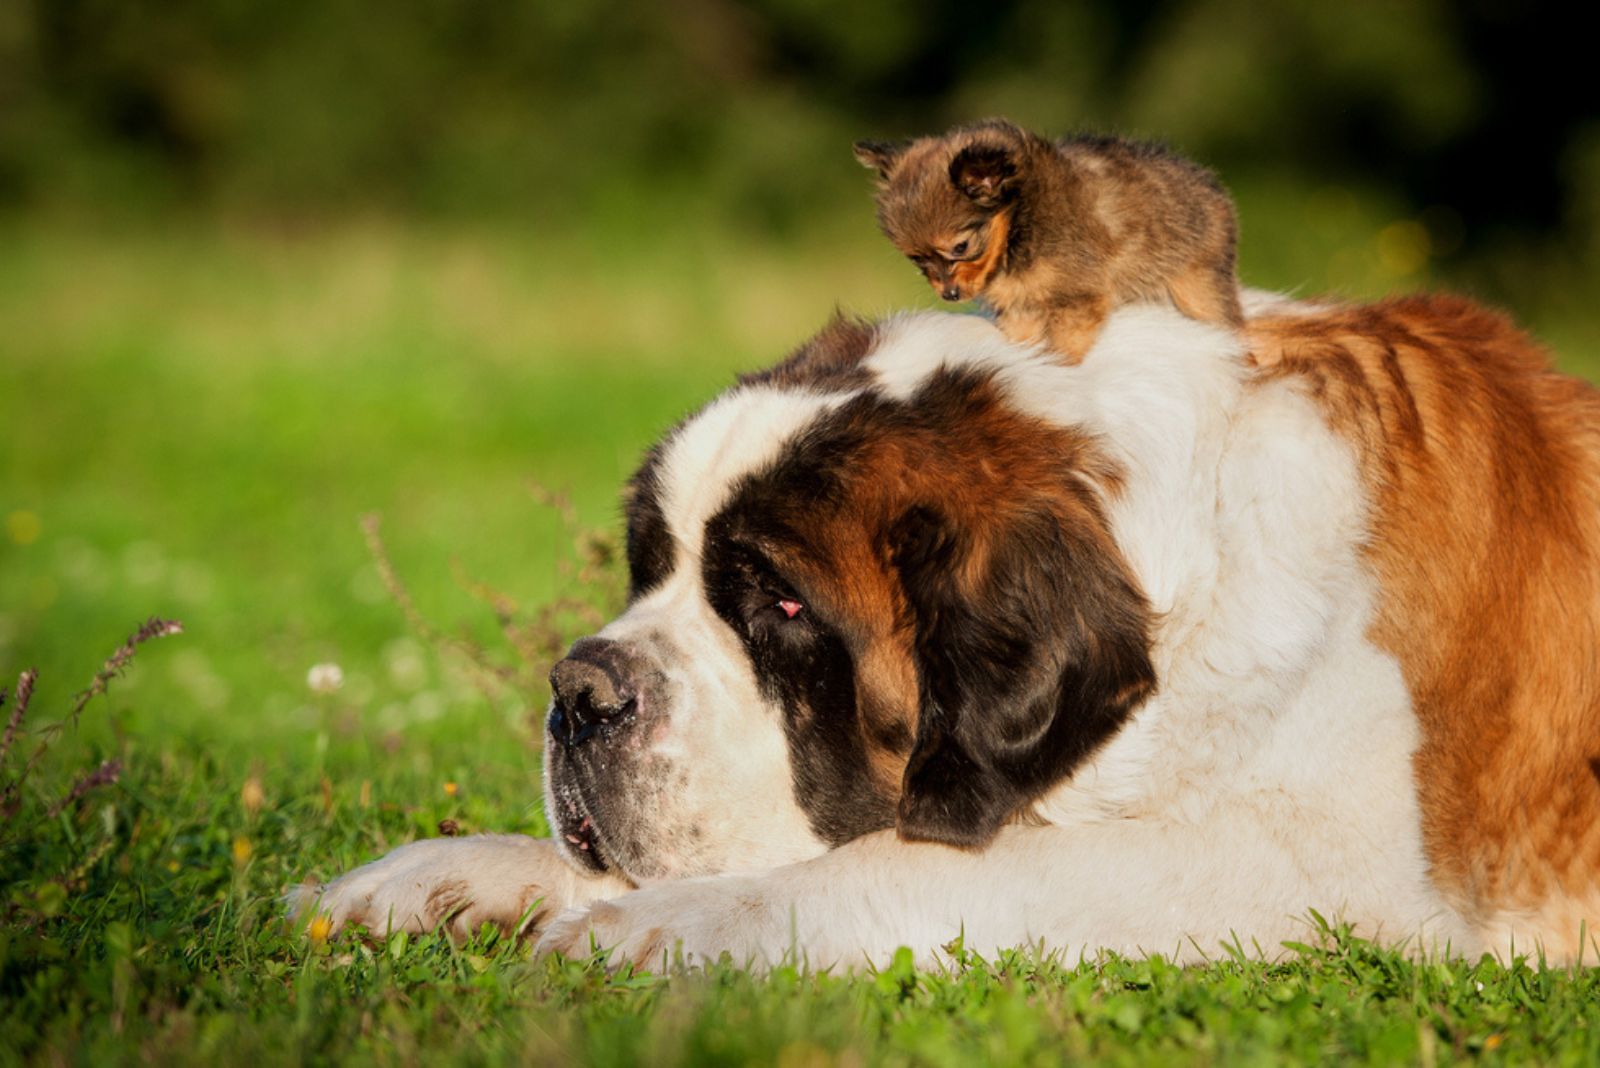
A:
<point x="988" y="174"/>
<point x="1031" y="651"/>
<point x="880" y="156"/>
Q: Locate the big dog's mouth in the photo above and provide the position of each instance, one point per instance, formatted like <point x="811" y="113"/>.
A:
<point x="576" y="830"/>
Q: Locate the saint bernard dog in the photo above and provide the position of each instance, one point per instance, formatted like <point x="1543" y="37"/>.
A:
<point x="930" y="636"/>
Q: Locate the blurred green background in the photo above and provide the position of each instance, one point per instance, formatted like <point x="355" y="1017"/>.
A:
<point x="267" y="266"/>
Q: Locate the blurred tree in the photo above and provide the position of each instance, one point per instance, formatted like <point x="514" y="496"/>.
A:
<point x="741" y="111"/>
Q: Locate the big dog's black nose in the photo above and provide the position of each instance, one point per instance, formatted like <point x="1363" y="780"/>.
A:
<point x="593" y="691"/>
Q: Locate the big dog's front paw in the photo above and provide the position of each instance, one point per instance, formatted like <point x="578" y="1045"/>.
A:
<point x="511" y="881"/>
<point x="694" y="921"/>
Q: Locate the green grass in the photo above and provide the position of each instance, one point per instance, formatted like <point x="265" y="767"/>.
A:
<point x="194" y="422"/>
<point x="173" y="948"/>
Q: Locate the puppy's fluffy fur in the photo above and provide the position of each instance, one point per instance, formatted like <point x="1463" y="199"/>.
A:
<point x="1053" y="235"/>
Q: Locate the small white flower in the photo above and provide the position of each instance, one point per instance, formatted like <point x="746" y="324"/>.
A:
<point x="325" y="678"/>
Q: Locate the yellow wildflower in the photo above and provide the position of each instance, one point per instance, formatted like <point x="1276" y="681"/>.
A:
<point x="252" y="796"/>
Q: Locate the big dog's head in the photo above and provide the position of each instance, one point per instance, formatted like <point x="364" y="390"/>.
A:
<point x="872" y="587"/>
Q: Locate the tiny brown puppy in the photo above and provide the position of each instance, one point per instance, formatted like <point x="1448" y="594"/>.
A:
<point x="1052" y="235"/>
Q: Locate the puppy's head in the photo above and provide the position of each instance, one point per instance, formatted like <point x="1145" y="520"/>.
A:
<point x="946" y="202"/>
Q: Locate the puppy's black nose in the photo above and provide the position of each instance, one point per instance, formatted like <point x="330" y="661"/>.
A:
<point x="950" y="292"/>
<point x="592" y="691"/>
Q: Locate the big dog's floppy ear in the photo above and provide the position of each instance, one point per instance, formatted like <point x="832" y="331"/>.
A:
<point x="1031" y="651"/>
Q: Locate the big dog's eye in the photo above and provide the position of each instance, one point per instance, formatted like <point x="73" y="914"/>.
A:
<point x="790" y="608"/>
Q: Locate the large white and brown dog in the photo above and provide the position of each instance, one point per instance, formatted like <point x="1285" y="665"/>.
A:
<point x="932" y="636"/>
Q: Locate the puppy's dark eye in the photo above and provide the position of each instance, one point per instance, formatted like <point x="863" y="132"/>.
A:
<point x="959" y="248"/>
